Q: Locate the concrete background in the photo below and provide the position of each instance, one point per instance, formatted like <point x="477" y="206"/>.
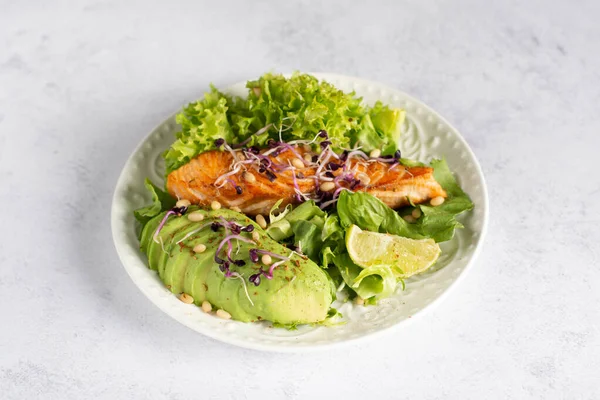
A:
<point x="81" y="83"/>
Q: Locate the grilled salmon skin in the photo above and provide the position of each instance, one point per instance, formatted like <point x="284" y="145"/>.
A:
<point x="216" y="175"/>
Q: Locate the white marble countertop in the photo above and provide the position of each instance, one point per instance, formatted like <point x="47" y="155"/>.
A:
<point x="81" y="83"/>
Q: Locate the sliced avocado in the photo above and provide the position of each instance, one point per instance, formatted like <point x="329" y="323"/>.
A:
<point x="299" y="291"/>
<point x="176" y="265"/>
<point x="195" y="276"/>
<point x="158" y="252"/>
<point x="147" y="232"/>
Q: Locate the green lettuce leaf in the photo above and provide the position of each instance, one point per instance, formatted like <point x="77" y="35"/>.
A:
<point x="201" y="124"/>
<point x="307" y="236"/>
<point x="282" y="228"/>
<point x="289" y="108"/>
<point x="378" y="281"/>
<point x="332" y="239"/>
<point x="276" y="215"/>
<point x="161" y="201"/>
<point x="381" y="129"/>
<point x="440" y="222"/>
<point x="371" y="214"/>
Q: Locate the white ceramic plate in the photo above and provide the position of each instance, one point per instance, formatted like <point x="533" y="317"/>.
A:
<point x="426" y="135"/>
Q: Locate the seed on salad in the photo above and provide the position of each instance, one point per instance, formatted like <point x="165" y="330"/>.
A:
<point x="223" y="314"/>
<point x="416" y="213"/>
<point x="308" y="157"/>
<point x="255" y="236"/>
<point x="206" y="306"/>
<point x="306" y="148"/>
<point x="261" y="221"/>
<point x="297" y="163"/>
<point x="236" y="209"/>
<point x="375" y="153"/>
<point x="249" y="177"/>
<point x="196" y="216"/>
<point x="266" y="259"/>
<point x="183" y="203"/>
<point x="359" y="301"/>
<point x="215" y="205"/>
<point x="199" y="248"/>
<point x="186" y="298"/>
<point x="436" y="201"/>
<point x="409" y="218"/>
<point x="327" y="186"/>
<point x="363" y="178"/>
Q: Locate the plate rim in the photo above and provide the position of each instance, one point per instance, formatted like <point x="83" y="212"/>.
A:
<point x="120" y="246"/>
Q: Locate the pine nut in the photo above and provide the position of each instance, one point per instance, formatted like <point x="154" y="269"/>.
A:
<point x="375" y="153"/>
<point x="436" y="201"/>
<point x="223" y="314"/>
<point x="416" y="213"/>
<point x="255" y="236"/>
<point x="183" y="203"/>
<point x="363" y="178"/>
<point x="206" y="306"/>
<point x="261" y="221"/>
<point x="236" y="209"/>
<point x="215" y="205"/>
<point x="186" y="298"/>
<point x="409" y="218"/>
<point x="359" y="301"/>
<point x="196" y="216"/>
<point x="199" y="248"/>
<point x="297" y="163"/>
<point x="249" y="177"/>
<point x="308" y="157"/>
<point x="266" y="259"/>
<point x="327" y="186"/>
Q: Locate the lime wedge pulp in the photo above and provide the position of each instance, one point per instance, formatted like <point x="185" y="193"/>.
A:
<point x="405" y="256"/>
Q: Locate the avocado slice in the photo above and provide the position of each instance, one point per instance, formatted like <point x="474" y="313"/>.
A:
<point x="299" y="291"/>
<point x="177" y="264"/>
<point x="159" y="252"/>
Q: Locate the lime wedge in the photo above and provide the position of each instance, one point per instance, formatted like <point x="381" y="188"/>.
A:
<point x="405" y="256"/>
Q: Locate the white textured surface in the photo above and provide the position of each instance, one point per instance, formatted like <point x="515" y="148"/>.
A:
<point x="81" y="84"/>
<point x="425" y="136"/>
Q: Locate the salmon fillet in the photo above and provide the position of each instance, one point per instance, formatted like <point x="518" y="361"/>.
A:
<point x="215" y="175"/>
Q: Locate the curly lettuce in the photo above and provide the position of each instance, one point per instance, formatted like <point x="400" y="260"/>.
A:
<point x="291" y="108"/>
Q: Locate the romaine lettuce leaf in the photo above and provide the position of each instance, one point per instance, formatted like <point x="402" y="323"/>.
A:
<point x="283" y="228"/>
<point x="275" y="214"/>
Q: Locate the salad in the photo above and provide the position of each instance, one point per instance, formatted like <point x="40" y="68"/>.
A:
<point x="279" y="203"/>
